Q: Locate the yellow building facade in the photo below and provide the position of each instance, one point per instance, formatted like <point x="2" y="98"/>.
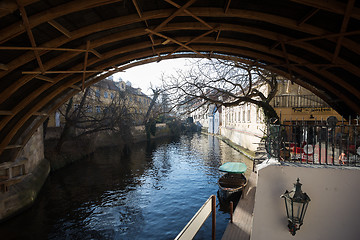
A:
<point x="103" y="94"/>
<point x="295" y="103"/>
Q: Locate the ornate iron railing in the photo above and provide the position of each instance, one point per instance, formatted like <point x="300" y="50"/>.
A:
<point x="298" y="101"/>
<point x="317" y="142"/>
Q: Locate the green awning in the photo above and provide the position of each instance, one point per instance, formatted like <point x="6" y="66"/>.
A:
<point x="233" y="167"/>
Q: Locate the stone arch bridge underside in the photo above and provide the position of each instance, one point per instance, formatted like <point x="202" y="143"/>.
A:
<point x="52" y="49"/>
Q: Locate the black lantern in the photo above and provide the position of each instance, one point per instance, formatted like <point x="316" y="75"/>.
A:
<point x="296" y="203"/>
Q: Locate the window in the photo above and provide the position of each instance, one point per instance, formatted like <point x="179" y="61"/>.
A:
<point x="76" y="106"/>
<point x="243" y="116"/>
<point x="112" y="95"/>
<point x="105" y="94"/>
<point x="258" y="115"/>
<point x="98" y="109"/>
<point x="89" y="109"/>
<point x="248" y="117"/>
<point x="97" y="93"/>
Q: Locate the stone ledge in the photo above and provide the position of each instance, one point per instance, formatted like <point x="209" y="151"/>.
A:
<point x="23" y="194"/>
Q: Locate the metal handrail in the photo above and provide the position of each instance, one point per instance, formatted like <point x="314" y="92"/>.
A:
<point x="193" y="226"/>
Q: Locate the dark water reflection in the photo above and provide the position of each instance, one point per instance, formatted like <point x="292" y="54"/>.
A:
<point x="150" y="194"/>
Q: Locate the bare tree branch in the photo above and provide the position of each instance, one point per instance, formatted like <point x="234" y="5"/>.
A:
<point x="223" y="83"/>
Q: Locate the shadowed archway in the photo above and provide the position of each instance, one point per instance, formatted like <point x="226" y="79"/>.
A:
<point x="52" y="49"/>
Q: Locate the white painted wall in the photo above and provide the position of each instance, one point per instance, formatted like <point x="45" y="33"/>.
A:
<point x="201" y="115"/>
<point x="333" y="212"/>
<point x="243" y="125"/>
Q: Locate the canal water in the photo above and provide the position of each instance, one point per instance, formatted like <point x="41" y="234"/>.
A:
<point x="151" y="193"/>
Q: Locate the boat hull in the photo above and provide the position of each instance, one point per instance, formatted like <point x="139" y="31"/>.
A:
<point x="231" y="185"/>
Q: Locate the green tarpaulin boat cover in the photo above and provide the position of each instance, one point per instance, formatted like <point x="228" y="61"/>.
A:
<point x="233" y="167"/>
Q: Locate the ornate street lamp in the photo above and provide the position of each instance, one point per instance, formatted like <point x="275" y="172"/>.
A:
<point x="296" y="203"/>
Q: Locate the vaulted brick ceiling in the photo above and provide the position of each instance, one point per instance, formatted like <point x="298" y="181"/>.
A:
<point x="52" y="49"/>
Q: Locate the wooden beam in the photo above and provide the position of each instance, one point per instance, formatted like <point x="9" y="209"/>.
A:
<point x="193" y="40"/>
<point x="253" y="31"/>
<point x="6" y="113"/>
<point x="176" y="13"/>
<point x="29" y="32"/>
<point x="49" y="14"/>
<point x="60" y="28"/>
<point x="275" y="45"/>
<point x="137" y="8"/>
<point x="9" y="6"/>
<point x="328" y="65"/>
<point x="175" y="41"/>
<point x="96" y="53"/>
<point x="40" y="114"/>
<point x="281" y="21"/>
<point x="165" y="42"/>
<point x="256" y="31"/>
<point x="286" y="59"/>
<point x="47" y="79"/>
<point x="328" y="36"/>
<point x="85" y="63"/>
<point x="217" y="36"/>
<point x="227" y="6"/>
<point x="307" y="17"/>
<point x="13" y="146"/>
<point x="189" y="13"/>
<point x="334" y="6"/>
<point x="44" y="78"/>
<point x="42" y="49"/>
<point x="3" y="67"/>
<point x="344" y="24"/>
<point x="61" y="72"/>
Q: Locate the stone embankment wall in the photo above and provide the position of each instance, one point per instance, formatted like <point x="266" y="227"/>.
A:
<point x="75" y="150"/>
<point x="246" y="137"/>
<point x="22" y="188"/>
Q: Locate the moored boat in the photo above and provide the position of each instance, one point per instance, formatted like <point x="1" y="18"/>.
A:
<point x="233" y="181"/>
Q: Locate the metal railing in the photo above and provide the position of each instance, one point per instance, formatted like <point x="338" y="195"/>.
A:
<point x="298" y="101"/>
<point x="198" y="220"/>
<point x="317" y="142"/>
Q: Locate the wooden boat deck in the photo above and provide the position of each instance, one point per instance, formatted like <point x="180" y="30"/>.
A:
<point x="240" y="229"/>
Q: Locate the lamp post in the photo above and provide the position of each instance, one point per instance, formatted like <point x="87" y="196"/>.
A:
<point x="296" y="203"/>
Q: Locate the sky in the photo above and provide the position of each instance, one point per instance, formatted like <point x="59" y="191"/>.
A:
<point x="142" y="76"/>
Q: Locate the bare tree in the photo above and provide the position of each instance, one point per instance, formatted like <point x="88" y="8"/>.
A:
<point x="156" y="93"/>
<point x="89" y="114"/>
<point x="223" y="83"/>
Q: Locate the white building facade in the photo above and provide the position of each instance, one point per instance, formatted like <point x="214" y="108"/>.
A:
<point x="243" y="125"/>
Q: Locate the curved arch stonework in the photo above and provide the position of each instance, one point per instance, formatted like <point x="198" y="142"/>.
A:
<point x="67" y="43"/>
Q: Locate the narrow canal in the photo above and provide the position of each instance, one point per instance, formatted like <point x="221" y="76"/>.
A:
<point x="150" y="194"/>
